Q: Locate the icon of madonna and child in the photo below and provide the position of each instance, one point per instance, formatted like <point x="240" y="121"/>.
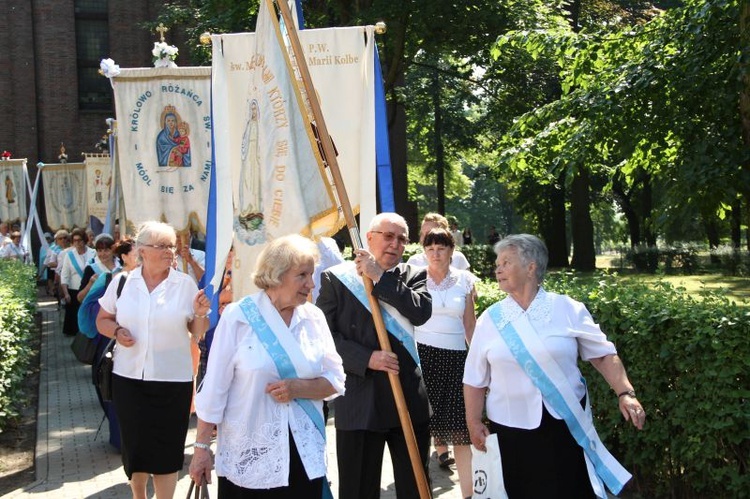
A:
<point x="173" y="141"/>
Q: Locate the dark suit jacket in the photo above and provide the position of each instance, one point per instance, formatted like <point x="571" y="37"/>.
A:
<point x="368" y="403"/>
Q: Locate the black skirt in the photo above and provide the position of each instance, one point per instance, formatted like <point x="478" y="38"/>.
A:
<point x="154" y="417"/>
<point x="544" y="462"/>
<point x="443" y="372"/>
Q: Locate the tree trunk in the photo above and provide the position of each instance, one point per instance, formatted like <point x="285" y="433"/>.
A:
<point x="626" y="205"/>
<point x="584" y="255"/>
<point x="745" y="93"/>
<point x="439" y="149"/>
<point x="736" y="224"/>
<point x="556" y="236"/>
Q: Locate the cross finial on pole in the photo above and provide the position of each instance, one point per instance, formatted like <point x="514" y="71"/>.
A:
<point x="162" y="29"/>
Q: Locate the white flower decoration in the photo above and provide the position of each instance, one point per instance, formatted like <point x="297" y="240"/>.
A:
<point x="164" y="55"/>
<point x="108" y="68"/>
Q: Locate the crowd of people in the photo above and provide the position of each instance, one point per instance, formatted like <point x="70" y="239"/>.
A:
<point x="310" y="341"/>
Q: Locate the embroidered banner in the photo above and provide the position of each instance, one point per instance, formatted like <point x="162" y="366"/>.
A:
<point x="164" y="144"/>
<point x="263" y="135"/>
<point x="65" y="195"/>
<point x="13" y="200"/>
<point x="98" y="184"/>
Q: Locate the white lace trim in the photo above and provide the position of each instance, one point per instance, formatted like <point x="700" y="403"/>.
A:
<point x="260" y="460"/>
<point x="540" y="309"/>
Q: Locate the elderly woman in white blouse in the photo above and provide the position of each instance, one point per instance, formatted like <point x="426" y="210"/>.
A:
<point x="272" y="363"/>
<point x="522" y="363"/>
<point x="158" y="313"/>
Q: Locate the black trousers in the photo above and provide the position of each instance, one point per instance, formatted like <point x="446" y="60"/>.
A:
<point x="70" y="322"/>
<point x="360" y="460"/>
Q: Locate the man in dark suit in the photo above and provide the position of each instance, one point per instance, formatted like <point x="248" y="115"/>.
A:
<point x="366" y="416"/>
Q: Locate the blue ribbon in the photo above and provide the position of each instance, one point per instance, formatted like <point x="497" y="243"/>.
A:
<point x="396" y="329"/>
<point x="284" y="365"/>
<point x="555" y="399"/>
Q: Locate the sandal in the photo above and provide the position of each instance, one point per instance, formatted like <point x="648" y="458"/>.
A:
<point x="445" y="460"/>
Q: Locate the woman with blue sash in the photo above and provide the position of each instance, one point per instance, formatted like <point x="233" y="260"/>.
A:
<point x="273" y="362"/>
<point x="72" y="267"/>
<point x="523" y="365"/>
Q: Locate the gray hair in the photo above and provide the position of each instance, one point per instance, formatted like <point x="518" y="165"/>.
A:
<point x="151" y="230"/>
<point x="394" y="218"/>
<point x="279" y="256"/>
<point x="530" y="249"/>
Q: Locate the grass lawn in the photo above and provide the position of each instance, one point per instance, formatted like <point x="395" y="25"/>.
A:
<point x="736" y="288"/>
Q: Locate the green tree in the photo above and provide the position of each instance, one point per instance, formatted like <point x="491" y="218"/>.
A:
<point x="652" y="107"/>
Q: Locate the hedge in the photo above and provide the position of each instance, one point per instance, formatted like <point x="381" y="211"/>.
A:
<point x="689" y="360"/>
<point x="17" y="309"/>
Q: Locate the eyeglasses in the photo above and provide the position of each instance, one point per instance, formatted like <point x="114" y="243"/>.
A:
<point x="77" y="240"/>
<point x="390" y="236"/>
<point x="162" y="247"/>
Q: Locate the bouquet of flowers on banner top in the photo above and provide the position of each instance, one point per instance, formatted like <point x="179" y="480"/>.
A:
<point x="164" y="55"/>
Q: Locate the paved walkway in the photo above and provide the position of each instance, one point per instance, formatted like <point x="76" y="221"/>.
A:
<point x="72" y="461"/>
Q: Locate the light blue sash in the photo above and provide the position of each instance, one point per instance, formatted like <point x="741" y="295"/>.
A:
<point x="76" y="265"/>
<point x="557" y="392"/>
<point x="95" y="266"/>
<point x="284" y="365"/>
<point x="355" y="286"/>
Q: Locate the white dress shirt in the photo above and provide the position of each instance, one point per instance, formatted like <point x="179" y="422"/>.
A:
<point x="158" y="322"/>
<point x="445" y="329"/>
<point x="458" y="261"/>
<point x="566" y="329"/>
<point x="69" y="275"/>
<point x="13" y="251"/>
<point x="199" y="257"/>
<point x="253" y="429"/>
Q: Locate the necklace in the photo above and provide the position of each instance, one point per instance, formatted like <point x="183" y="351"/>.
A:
<point x="440" y="290"/>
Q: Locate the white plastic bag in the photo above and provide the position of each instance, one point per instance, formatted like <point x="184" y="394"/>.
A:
<point x="487" y="470"/>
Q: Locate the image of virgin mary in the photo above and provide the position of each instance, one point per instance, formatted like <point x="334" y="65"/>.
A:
<point x="171" y="148"/>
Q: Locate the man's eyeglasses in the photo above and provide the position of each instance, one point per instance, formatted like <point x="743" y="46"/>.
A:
<point x="162" y="247"/>
<point x="390" y="236"/>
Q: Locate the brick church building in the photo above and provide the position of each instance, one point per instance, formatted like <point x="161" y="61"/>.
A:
<point x="49" y="60"/>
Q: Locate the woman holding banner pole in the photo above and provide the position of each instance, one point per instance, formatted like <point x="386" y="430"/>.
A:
<point x="272" y="363"/>
<point x="522" y="364"/>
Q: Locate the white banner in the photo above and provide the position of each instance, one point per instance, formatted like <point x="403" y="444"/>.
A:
<point x="98" y="183"/>
<point x="164" y="144"/>
<point x="263" y="134"/>
<point x="13" y="200"/>
<point x="65" y="195"/>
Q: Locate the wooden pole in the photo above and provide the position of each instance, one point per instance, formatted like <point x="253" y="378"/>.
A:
<point x="329" y="155"/>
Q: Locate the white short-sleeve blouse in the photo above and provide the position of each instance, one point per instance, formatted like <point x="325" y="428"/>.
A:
<point x="566" y="329"/>
<point x="158" y="322"/>
<point x="253" y="428"/>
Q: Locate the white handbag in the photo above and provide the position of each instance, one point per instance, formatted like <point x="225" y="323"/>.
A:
<point x="487" y="470"/>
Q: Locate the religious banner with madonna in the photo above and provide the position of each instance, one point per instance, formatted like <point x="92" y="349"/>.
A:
<point x="65" y="195"/>
<point x="265" y="145"/>
<point x="13" y="200"/>
<point x="164" y="144"/>
<point x="98" y="185"/>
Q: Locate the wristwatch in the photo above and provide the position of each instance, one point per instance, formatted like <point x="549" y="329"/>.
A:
<point x="629" y="393"/>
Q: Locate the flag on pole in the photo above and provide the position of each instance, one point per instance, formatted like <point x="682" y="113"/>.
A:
<point x="13" y="200"/>
<point x="163" y="144"/>
<point x="98" y="181"/>
<point x="65" y="195"/>
<point x="254" y="69"/>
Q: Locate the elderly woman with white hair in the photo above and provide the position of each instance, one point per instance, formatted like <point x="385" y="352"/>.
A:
<point x="273" y="362"/>
<point x="523" y="364"/>
<point x="157" y="314"/>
